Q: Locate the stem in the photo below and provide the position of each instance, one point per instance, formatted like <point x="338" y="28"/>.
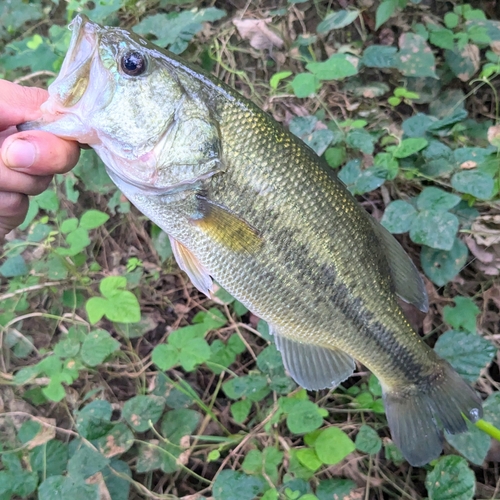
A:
<point x="488" y="428"/>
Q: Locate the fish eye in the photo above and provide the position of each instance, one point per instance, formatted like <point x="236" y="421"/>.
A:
<point x="133" y="63"/>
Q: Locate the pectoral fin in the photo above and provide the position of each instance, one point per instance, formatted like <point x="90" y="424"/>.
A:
<point x="407" y="281"/>
<point x="192" y="267"/>
<point x="311" y="366"/>
<point x="227" y="228"/>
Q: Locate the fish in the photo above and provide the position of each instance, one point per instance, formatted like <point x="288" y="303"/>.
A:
<point x="248" y="206"/>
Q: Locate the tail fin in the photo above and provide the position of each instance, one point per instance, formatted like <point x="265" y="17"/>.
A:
<point x="417" y="414"/>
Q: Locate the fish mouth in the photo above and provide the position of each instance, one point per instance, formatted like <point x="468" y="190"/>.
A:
<point x="63" y="112"/>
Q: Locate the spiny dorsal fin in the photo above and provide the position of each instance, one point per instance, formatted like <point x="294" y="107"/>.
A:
<point x="227" y="228"/>
<point x="311" y="366"/>
<point x="407" y="280"/>
<point x="192" y="267"/>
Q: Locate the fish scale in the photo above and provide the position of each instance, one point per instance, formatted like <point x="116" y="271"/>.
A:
<point x="249" y="205"/>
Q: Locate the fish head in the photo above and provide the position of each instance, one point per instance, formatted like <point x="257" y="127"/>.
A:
<point x="117" y="93"/>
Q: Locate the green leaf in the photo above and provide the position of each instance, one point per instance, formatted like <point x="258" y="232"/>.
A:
<point x="398" y="217"/>
<point x="442" y="37"/>
<point x="93" y="421"/>
<point x="442" y="266"/>
<point x="55" y="390"/>
<point x="451" y="479"/>
<point x="254" y="387"/>
<point x="415" y="58"/>
<point x="335" y="156"/>
<point x="49" y="459"/>
<point x="433" y="198"/>
<point x="464" y="61"/>
<point x="463" y="315"/>
<point x="305" y="84"/>
<point x="335" y="488"/>
<point x="14" y="266"/>
<point x="337" y="20"/>
<point x="165" y="356"/>
<point x="111" y="286"/>
<point x="92" y="219"/>
<point x="333" y="445"/>
<point x="176" y="29"/>
<point x="116" y="441"/>
<point x="97" y="346"/>
<point x="117" y="486"/>
<point x="179" y="423"/>
<point x="161" y="242"/>
<point x="85" y="462"/>
<point x="451" y="20"/>
<point x="361" y="140"/>
<point x="384" y="11"/>
<point x="96" y="308"/>
<point x="232" y="485"/>
<point x="379" y="56"/>
<point x="240" y="410"/>
<point x="336" y="67"/>
<point x="308" y="458"/>
<point x="62" y="488"/>
<point x="473" y="444"/>
<point x="474" y="182"/>
<point x="139" y="411"/>
<point x="48" y="200"/>
<point x="434" y="229"/>
<point x="408" y="147"/>
<point x="468" y="353"/>
<point x="303" y="417"/>
<point x="367" y="440"/>
<point x="277" y="77"/>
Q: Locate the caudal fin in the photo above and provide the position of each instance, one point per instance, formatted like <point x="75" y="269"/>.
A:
<point x="418" y="414"/>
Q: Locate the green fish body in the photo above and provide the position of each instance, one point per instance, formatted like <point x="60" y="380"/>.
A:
<point x="248" y="205"/>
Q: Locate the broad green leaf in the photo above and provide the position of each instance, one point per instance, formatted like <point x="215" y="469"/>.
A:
<point x="176" y="29"/>
<point x="96" y="308"/>
<point x="434" y="229"/>
<point x="438" y="159"/>
<point x="97" y="346"/>
<point x="49" y="459"/>
<point x="48" y="200"/>
<point x="451" y="479"/>
<point x="361" y="140"/>
<point x="329" y="489"/>
<point x="85" y="462"/>
<point x="161" y="242"/>
<point x="92" y="219"/>
<point x="442" y="266"/>
<point x="93" y="421"/>
<point x="367" y="440"/>
<point x="463" y="62"/>
<point x="165" y="356"/>
<point x="240" y="410"/>
<point x="463" y="316"/>
<point x="415" y="58"/>
<point x="368" y="180"/>
<point x="335" y="156"/>
<point x="441" y="37"/>
<point x="140" y="411"/>
<point x="62" y="488"/>
<point x="398" y="217"/>
<point x="473" y="444"/>
<point x="303" y="417"/>
<point x="117" y="486"/>
<point x="254" y="387"/>
<point x="474" y="182"/>
<point x="277" y="77"/>
<point x="379" y="56"/>
<point x="336" y="67"/>
<point x="305" y="84"/>
<point x="408" y="147"/>
<point x="467" y="352"/>
<point x="384" y="11"/>
<point x="433" y="198"/>
<point x="14" y="266"/>
<point x="451" y="20"/>
<point x="117" y="441"/>
<point x="308" y="458"/>
<point x="337" y="20"/>
<point x="232" y="485"/>
<point x="179" y="423"/>
<point x="112" y="285"/>
<point x="333" y="445"/>
<point x="491" y="409"/>
<point x="350" y="172"/>
<point x="417" y="125"/>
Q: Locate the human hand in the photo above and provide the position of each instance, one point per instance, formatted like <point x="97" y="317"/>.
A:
<point x="28" y="160"/>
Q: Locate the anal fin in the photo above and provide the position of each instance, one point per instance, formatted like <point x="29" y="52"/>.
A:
<point x="314" y="367"/>
<point x="192" y="267"/>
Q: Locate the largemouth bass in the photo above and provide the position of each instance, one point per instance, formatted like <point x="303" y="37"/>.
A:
<point x="248" y="205"/>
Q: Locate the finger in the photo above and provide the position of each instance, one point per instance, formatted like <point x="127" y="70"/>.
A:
<point x="39" y="153"/>
<point x="19" y="182"/>
<point x="19" y="104"/>
<point x="13" y="209"/>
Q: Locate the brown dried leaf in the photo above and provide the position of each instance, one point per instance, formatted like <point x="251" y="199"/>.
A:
<point x="484" y="243"/>
<point x="468" y="165"/>
<point x="45" y="434"/>
<point x="494" y="135"/>
<point x="258" y="33"/>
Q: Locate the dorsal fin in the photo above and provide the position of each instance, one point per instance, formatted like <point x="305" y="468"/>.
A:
<point x="407" y="280"/>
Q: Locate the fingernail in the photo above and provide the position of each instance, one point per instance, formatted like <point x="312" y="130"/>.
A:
<point x="20" y="154"/>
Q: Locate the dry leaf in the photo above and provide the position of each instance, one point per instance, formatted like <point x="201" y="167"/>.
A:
<point x="45" y="434"/>
<point x="258" y="33"/>
<point x="468" y="165"/>
<point x="494" y="135"/>
<point x="495" y="47"/>
<point x="484" y="244"/>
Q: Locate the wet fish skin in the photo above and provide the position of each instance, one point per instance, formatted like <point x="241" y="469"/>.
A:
<point x="250" y="206"/>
